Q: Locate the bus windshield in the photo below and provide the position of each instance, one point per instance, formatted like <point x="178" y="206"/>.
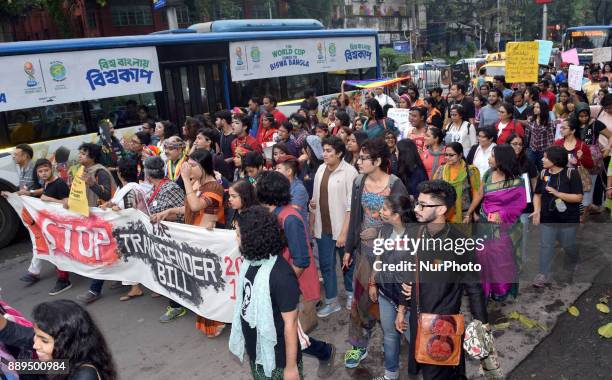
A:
<point x="587" y="39"/>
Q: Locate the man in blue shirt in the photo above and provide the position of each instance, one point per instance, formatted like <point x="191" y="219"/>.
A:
<point x="254" y="114"/>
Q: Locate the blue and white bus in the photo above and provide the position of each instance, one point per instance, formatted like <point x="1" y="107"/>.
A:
<point x="587" y="38"/>
<point x="54" y="92"/>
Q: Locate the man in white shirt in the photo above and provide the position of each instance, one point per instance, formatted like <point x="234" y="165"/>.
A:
<point x="383" y="98"/>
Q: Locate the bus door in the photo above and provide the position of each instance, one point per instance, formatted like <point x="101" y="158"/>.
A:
<point x="192" y="89"/>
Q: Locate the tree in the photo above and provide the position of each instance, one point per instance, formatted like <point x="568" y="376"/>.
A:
<point x="16" y="8"/>
<point x="391" y="59"/>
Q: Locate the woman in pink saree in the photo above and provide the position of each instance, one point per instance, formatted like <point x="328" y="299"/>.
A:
<point x="504" y="198"/>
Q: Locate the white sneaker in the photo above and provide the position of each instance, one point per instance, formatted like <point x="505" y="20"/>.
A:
<point x="539" y="281"/>
<point x="328" y="310"/>
<point x="349" y="301"/>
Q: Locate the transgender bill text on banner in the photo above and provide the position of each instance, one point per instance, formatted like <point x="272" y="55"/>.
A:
<point x="193" y="266"/>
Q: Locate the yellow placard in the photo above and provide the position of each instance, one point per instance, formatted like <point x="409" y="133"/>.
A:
<point x="77" y="201"/>
<point x="522" y="62"/>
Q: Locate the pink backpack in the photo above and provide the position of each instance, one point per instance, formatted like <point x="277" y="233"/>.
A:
<point x="13" y="315"/>
<point x="5" y="357"/>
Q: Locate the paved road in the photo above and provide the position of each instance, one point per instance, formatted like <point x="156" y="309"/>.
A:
<point x="145" y="349"/>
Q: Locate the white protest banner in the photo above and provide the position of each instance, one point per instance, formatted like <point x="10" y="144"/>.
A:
<point x="574" y="77"/>
<point x="270" y="58"/>
<point x="401" y="117"/>
<point x="193" y="266"/>
<point x="602" y="55"/>
<point x="36" y="80"/>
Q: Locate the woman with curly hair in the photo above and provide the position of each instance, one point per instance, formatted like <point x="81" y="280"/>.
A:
<point x="265" y="323"/>
<point x="64" y="330"/>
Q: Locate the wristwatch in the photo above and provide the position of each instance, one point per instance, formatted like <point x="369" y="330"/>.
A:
<point x="31" y="192"/>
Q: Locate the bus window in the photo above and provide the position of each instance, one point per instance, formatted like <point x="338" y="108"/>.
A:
<point x="297" y="84"/>
<point x="203" y="89"/>
<point x="185" y="88"/>
<point x="243" y="90"/>
<point x="588" y="39"/>
<point x="124" y="111"/>
<point x="218" y="86"/>
<point x="44" y="123"/>
<point x="335" y="78"/>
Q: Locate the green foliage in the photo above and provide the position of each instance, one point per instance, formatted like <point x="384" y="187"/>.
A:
<point x="391" y="59"/>
<point x="518" y="18"/>
<point x="16" y="8"/>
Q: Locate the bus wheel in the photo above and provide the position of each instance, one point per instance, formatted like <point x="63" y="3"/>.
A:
<point x="9" y="223"/>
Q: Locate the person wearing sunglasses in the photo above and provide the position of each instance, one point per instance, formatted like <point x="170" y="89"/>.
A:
<point x="367" y="199"/>
<point x="436" y="294"/>
<point x="464" y="178"/>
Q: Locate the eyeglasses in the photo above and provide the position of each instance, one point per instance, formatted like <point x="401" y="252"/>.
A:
<point x="517" y="144"/>
<point x="422" y="205"/>
<point x="364" y="158"/>
<point x="450" y="154"/>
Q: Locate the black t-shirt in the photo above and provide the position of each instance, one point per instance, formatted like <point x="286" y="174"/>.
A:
<point x="469" y="111"/>
<point x="564" y="183"/>
<point x="530" y="168"/>
<point x="225" y="142"/>
<point x="590" y="133"/>
<point x="57" y="189"/>
<point x="285" y="295"/>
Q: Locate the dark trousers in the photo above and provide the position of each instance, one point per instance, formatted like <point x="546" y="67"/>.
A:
<point x="600" y="184"/>
<point x="318" y="349"/>
<point x="96" y="286"/>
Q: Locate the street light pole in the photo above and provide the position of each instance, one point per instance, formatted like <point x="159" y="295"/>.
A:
<point x="172" y="19"/>
<point x="544" y="20"/>
<point x="498" y="31"/>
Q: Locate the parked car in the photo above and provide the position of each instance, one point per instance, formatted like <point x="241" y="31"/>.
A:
<point x="424" y="75"/>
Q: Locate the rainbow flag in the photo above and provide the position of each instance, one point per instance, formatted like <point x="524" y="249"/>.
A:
<point x="373" y="83"/>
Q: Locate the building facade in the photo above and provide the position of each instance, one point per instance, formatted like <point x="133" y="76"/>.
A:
<point x="86" y="18"/>
<point x="395" y="20"/>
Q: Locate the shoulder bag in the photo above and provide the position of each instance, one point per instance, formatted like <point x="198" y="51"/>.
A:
<point x="585" y="175"/>
<point x="438" y="336"/>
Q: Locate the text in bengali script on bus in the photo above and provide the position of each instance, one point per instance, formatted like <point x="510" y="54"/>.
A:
<point x="124" y="69"/>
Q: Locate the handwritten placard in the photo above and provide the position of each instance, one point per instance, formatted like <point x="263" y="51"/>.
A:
<point x="570" y="56"/>
<point x="544" y="51"/>
<point x="522" y="61"/>
<point x="401" y="117"/>
<point x="77" y="200"/>
<point x="602" y="55"/>
<point x="574" y="77"/>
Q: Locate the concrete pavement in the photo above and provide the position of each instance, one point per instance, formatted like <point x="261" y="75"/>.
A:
<point x="146" y="349"/>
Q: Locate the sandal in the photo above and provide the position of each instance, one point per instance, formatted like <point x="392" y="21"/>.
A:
<point x="128" y="296"/>
<point x="218" y="331"/>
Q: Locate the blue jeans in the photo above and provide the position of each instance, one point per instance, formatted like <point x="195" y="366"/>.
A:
<point x="327" y="262"/>
<point x="96" y="286"/>
<point x="391" y="337"/>
<point x="549" y="234"/>
<point x="535" y="157"/>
